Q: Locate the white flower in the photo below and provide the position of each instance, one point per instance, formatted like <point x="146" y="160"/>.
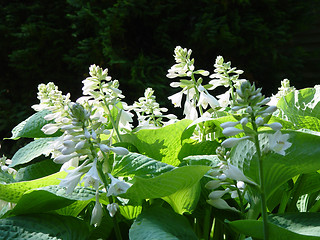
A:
<point x="224" y="99"/>
<point x="176" y="99"/>
<point x="213" y="184"/>
<point x="235" y="173"/>
<point x="92" y="177"/>
<point x="228" y="124"/>
<point x="278" y="142"/>
<point x="119" y="150"/>
<point x="97" y="212"/>
<point x="112" y="208"/>
<point x="73" y="178"/>
<point x="117" y="187"/>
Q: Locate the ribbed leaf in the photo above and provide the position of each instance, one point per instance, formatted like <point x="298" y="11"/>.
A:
<point x="162" y="144"/>
<point x="302" y="108"/>
<point x="49" y="198"/>
<point x="159" y="223"/>
<point x="12" y="192"/>
<point x="167" y="183"/>
<point x="135" y="164"/>
<point x="31" y="127"/>
<point x="291" y="226"/>
<point x="302" y="157"/>
<point x="43" y="227"/>
<point x="31" y="151"/>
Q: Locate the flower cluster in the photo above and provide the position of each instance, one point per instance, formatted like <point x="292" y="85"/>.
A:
<point x="282" y="91"/>
<point x="196" y="94"/>
<point x="254" y="111"/>
<point x="86" y="140"/>
<point x="228" y="176"/>
<point x="227" y="76"/>
<point x="149" y="112"/>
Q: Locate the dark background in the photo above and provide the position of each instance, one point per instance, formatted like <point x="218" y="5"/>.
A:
<point x="45" y="40"/>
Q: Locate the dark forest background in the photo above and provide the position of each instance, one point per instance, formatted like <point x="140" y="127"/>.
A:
<point x="45" y="40"/>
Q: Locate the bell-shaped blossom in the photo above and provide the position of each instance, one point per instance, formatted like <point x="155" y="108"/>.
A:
<point x="206" y="98"/>
<point x="97" y="212"/>
<point x="228" y="124"/>
<point x="112" y="208"/>
<point x="235" y="173"/>
<point x="117" y="186"/>
<point x="92" y="177"/>
<point x="278" y="142"/>
<point x="73" y="177"/>
<point x="176" y="99"/>
<point x="218" y="193"/>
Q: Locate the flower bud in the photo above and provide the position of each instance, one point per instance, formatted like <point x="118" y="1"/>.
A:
<point x="275" y="126"/>
<point x="231" y="131"/>
<point x="249" y="109"/>
<point x="112" y="208"/>
<point x="217" y="194"/>
<point x="231" y="142"/>
<point x="244" y="121"/>
<point x="119" y="150"/>
<point x="259" y="121"/>
<point x="270" y="109"/>
<point x="213" y="184"/>
<point x="228" y="124"/>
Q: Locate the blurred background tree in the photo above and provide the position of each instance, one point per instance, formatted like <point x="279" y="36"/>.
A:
<point x="44" y="40"/>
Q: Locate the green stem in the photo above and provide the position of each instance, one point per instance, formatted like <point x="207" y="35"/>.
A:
<point x="115" y="127"/>
<point x="261" y="178"/>
<point x="106" y="183"/>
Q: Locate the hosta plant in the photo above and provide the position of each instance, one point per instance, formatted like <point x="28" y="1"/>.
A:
<point x="239" y="165"/>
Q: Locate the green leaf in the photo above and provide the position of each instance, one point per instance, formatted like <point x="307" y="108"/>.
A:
<point x="130" y="212"/>
<point x="43" y="227"/>
<point x="162" y="144"/>
<point x="49" y="198"/>
<point x="31" y="127"/>
<point x="291" y="226"/>
<point x="135" y="164"/>
<point x="302" y="108"/>
<point x="158" y="223"/>
<point x="12" y="192"/>
<point x="166" y="183"/>
<point x="302" y="157"/>
<point x="201" y="148"/>
<point x="37" y="170"/>
<point x="184" y="200"/>
<point x="31" y="151"/>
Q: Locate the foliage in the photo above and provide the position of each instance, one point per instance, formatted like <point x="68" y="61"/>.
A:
<point x="234" y="167"/>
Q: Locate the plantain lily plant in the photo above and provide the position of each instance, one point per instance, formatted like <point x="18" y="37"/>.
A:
<point x="238" y="166"/>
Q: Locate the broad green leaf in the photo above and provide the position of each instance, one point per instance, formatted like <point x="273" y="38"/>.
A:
<point x="31" y="127"/>
<point x="43" y="227"/>
<point x="161" y="144"/>
<point x="135" y="164"/>
<point x="31" y="151"/>
<point x="130" y="212"/>
<point x="290" y="226"/>
<point x="208" y="160"/>
<point x="302" y="157"/>
<point x="302" y="108"/>
<point x="184" y="200"/>
<point x="37" y="170"/>
<point x="12" y="192"/>
<point x="73" y="209"/>
<point x="49" y="198"/>
<point x="159" y="223"/>
<point x="195" y="148"/>
<point x="166" y="183"/>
